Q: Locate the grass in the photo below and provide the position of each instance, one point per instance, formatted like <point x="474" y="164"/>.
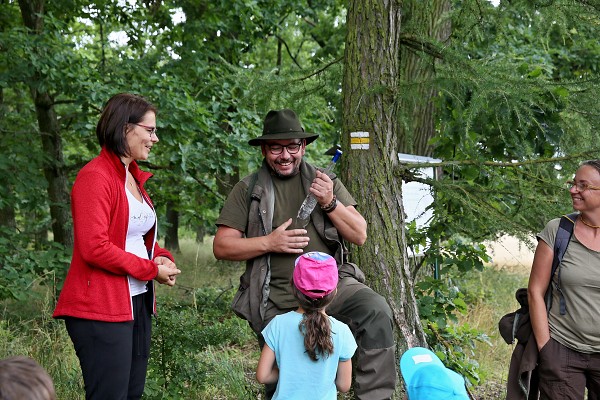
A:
<point x="202" y="351"/>
<point x="26" y="328"/>
<point x="492" y="292"/>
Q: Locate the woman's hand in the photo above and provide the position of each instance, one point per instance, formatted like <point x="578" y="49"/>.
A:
<point x="167" y="271"/>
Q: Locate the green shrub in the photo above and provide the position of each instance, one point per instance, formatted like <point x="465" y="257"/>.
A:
<point x="21" y="267"/>
<point x="442" y="299"/>
<point x="455" y="345"/>
<point x="184" y="334"/>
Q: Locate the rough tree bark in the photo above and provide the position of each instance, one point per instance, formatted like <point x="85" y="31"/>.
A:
<point x="370" y="105"/>
<point x="417" y="70"/>
<point x="54" y="168"/>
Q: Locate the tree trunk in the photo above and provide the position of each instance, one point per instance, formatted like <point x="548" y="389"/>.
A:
<point x="369" y="105"/>
<point x="7" y="213"/>
<point x="171" y="235"/>
<point x="54" y="170"/>
<point x="200" y="233"/>
<point x="7" y="208"/>
<point x="417" y="69"/>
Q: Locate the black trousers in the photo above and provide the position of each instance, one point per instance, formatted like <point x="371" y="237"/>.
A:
<point x="113" y="355"/>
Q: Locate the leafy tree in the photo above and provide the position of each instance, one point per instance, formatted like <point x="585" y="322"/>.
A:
<point x="505" y="96"/>
<point x="496" y="98"/>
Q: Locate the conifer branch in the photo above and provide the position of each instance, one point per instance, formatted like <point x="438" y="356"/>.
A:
<point x="503" y="163"/>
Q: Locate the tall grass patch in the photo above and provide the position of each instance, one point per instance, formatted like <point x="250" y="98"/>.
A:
<point x="491" y="294"/>
<point x="26" y="328"/>
<point x="199" y="268"/>
<point x="197" y="350"/>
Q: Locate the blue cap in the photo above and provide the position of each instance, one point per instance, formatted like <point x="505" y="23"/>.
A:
<point x="427" y="378"/>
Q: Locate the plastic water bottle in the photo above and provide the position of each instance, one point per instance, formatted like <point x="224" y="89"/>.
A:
<point x="309" y="203"/>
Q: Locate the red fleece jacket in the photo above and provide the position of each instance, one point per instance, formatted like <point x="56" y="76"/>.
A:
<point x="96" y="286"/>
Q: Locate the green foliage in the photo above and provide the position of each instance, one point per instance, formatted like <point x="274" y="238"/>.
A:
<point x="442" y="298"/>
<point x="439" y="301"/>
<point x="182" y="361"/>
<point x="514" y="92"/>
<point x="455" y="346"/>
<point x="22" y="267"/>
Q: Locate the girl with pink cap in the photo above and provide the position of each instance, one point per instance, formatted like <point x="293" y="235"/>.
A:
<point x="307" y="352"/>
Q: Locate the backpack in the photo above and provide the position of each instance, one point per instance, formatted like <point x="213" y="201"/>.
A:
<point x="517" y="324"/>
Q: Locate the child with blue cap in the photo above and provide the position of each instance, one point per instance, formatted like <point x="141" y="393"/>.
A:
<point x="427" y="378"/>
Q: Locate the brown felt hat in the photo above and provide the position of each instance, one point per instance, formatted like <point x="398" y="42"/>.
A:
<point x="281" y="125"/>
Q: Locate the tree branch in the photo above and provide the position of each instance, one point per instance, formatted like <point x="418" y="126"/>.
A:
<point x="415" y="43"/>
<point x="208" y="188"/>
<point x="404" y="167"/>
<point x="287" y="49"/>
<point x="317" y="72"/>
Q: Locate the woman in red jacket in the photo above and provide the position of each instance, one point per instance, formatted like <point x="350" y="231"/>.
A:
<point x="108" y="295"/>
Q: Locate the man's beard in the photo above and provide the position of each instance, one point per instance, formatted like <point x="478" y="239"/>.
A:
<point x="295" y="172"/>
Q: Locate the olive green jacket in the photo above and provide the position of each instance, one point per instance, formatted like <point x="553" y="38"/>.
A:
<point x="250" y="301"/>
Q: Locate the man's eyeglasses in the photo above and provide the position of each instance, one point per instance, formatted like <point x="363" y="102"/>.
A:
<point x="581" y="186"/>
<point x="277" y="149"/>
<point x="150" y="129"/>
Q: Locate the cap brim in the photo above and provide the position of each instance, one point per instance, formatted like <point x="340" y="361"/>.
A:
<point x="459" y="383"/>
<point x="444" y="380"/>
<point x="416" y="358"/>
<point x="309" y="137"/>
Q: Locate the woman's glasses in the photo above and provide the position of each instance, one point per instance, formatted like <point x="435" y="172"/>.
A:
<point x="150" y="129"/>
<point x="581" y="186"/>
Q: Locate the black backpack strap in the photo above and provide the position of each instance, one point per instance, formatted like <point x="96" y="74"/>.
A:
<point x="563" y="237"/>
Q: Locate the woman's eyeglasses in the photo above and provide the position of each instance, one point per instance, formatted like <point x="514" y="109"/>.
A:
<point x="581" y="186"/>
<point x="150" y="129"/>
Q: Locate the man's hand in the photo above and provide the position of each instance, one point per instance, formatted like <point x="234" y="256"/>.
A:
<point x="322" y="188"/>
<point x="346" y="219"/>
<point x="292" y="241"/>
<point x="230" y="244"/>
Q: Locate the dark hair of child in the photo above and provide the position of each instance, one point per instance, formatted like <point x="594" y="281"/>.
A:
<point x="315" y="325"/>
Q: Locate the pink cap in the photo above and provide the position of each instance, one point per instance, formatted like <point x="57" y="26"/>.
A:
<point x="316" y="274"/>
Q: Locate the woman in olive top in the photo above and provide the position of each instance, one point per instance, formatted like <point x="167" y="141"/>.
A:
<point x="569" y="342"/>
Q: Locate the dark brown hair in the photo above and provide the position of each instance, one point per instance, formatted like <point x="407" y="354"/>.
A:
<point x="315" y="325"/>
<point x="119" y="111"/>
<point x="23" y="378"/>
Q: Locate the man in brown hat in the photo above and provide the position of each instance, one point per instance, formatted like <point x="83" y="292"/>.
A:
<point x="255" y="226"/>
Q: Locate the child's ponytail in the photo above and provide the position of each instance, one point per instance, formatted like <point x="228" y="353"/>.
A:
<point x="314" y="283"/>
<point x="315" y="325"/>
